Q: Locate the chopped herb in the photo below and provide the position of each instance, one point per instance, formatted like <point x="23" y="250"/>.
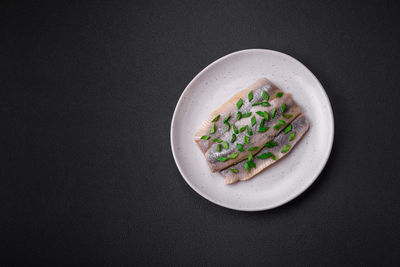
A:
<point x="260" y="113"/>
<point x="240" y="147"/>
<point x="246" y="166"/>
<point x="235" y="129"/>
<point x="245" y="115"/>
<point x="291" y="137"/>
<point x="250" y="158"/>
<point x="227" y="117"/>
<point x="282" y="122"/>
<point x="262" y="123"/>
<point x="233" y="155"/>
<point x="285" y="149"/>
<point x="239" y="103"/>
<point x="216" y="118"/>
<point x="256" y="104"/>
<point x="265" y="104"/>
<point x="238" y="115"/>
<point x="225" y="144"/>
<point x="283" y="107"/>
<point x="246" y="140"/>
<point x="233" y="138"/>
<point x="266" y="115"/>
<point x="227" y="126"/>
<point x="219" y="147"/>
<point x="212" y="130"/>
<point x="277" y="126"/>
<point x="288" y="129"/>
<point x="253" y="120"/>
<point x="253" y="148"/>
<point x="242" y="129"/>
<point x="263" y="129"/>
<point x="267" y="155"/>
<point x="265" y="95"/>
<point x="233" y="170"/>
<point x="205" y="137"/>
<point x="223" y="159"/>
<point x="249" y="132"/>
<point x="273" y="112"/>
<point x="270" y="144"/>
<point x="217" y="140"/>
<point x="251" y="164"/>
<point x="279" y="94"/>
<point x="250" y="96"/>
<point x="287" y="116"/>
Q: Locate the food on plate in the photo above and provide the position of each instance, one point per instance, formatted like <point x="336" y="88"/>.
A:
<point x="271" y="152"/>
<point x="242" y="126"/>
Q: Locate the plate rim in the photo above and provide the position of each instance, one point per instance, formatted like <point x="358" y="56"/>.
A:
<point x="286" y="200"/>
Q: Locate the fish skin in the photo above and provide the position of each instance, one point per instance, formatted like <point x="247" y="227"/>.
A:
<point x="258" y="139"/>
<point x="300" y="126"/>
<point x="230" y="107"/>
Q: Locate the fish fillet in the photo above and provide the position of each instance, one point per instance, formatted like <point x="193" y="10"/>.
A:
<point x="299" y="127"/>
<point x="257" y="139"/>
<point x="229" y="107"/>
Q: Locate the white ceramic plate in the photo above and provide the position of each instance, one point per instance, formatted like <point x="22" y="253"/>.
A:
<point x="282" y="181"/>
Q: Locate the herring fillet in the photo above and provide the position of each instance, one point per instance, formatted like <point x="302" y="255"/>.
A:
<point x="258" y="87"/>
<point x="300" y="126"/>
<point x="257" y="139"/>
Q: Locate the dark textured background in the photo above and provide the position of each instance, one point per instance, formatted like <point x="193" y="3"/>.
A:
<point x="87" y="95"/>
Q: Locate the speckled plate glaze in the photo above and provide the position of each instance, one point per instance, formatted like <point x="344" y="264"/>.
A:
<point x="214" y="85"/>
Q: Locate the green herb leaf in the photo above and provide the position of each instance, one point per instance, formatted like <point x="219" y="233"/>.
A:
<point x="265" y="104"/>
<point x="283" y="107"/>
<point x="245" y="115"/>
<point x="263" y="156"/>
<point x="225" y="144"/>
<point x="250" y="96"/>
<point x="233" y="155"/>
<point x="219" y="147"/>
<point x="266" y="115"/>
<point x="233" y="138"/>
<point x="246" y="140"/>
<point x="253" y="120"/>
<point x="212" y="130"/>
<point x="251" y="164"/>
<point x="217" y="140"/>
<point x="285" y="149"/>
<point x="239" y="103"/>
<point x="265" y="95"/>
<point x="256" y="104"/>
<point x="216" y="118"/>
<point x="262" y="123"/>
<point x="240" y="147"/>
<point x="260" y="113"/>
<point x="288" y="129"/>
<point x="273" y="112"/>
<point x="270" y="144"/>
<point x="227" y="126"/>
<point x="263" y="129"/>
<point x="242" y="129"/>
<point x="291" y="137"/>
<point x="238" y="115"/>
<point x="250" y="158"/>
<point x="287" y="116"/>
<point x="227" y="117"/>
<point x="279" y="94"/>
<point x="246" y="166"/>
<point x="233" y="170"/>
<point x="267" y="155"/>
<point x="223" y="159"/>
<point x="252" y="148"/>
<point x="205" y="137"/>
<point x="282" y="122"/>
<point x="249" y="132"/>
<point x="277" y="126"/>
<point x="235" y="129"/>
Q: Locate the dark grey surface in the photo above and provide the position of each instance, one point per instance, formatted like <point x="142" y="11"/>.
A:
<point x="87" y="95"/>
